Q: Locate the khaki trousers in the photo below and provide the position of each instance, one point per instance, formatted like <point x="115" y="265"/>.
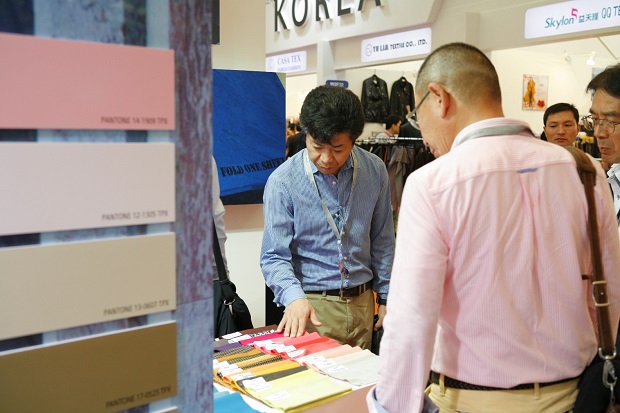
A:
<point x="348" y="320"/>
<point x="558" y="398"/>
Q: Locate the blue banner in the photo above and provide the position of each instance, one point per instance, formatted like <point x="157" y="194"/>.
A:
<point x="249" y="132"/>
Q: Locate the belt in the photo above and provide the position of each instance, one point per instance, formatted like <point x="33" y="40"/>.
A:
<point x="347" y="292"/>
<point x="457" y="384"/>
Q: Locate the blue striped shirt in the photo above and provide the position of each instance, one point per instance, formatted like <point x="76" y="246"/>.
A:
<point x="299" y="250"/>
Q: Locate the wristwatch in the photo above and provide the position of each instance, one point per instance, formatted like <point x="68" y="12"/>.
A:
<point x="381" y="301"/>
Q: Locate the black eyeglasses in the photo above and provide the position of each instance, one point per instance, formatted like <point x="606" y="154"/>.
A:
<point x="413" y="117"/>
<point x="607" y="126"/>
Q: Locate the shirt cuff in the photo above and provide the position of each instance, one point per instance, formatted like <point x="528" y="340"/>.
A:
<point x="375" y="407"/>
<point x="373" y="404"/>
<point x="291" y="295"/>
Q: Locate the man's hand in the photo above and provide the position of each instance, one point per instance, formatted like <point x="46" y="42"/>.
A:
<point x="382" y="311"/>
<point x="296" y="316"/>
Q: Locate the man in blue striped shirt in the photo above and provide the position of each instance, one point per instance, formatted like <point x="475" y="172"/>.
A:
<point x="329" y="235"/>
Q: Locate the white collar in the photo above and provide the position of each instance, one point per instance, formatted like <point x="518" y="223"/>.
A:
<point x="614" y="170"/>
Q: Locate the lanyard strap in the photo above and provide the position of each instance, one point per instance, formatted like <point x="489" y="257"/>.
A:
<point x="495" y="131"/>
<point x="329" y="217"/>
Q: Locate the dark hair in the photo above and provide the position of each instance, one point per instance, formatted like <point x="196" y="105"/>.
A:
<point x="608" y="80"/>
<point x="328" y="110"/>
<point x="392" y="120"/>
<point x="560" y="107"/>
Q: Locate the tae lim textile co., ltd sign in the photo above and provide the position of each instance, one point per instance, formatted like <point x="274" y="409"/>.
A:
<point x="404" y="44"/>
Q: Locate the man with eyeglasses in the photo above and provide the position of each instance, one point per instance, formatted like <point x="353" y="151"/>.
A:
<point x="487" y="300"/>
<point x="604" y="122"/>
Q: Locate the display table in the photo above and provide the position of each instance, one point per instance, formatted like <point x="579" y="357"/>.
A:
<point x="351" y="402"/>
<point x="273" y="373"/>
<point x="354" y="402"/>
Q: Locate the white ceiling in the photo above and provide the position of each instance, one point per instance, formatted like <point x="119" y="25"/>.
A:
<point x="606" y="47"/>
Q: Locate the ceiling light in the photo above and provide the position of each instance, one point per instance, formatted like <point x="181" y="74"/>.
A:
<point x="590" y="61"/>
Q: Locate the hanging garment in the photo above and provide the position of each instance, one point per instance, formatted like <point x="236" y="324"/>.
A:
<point x="402" y="100"/>
<point x="398" y="168"/>
<point x="422" y="157"/>
<point x="407" y="130"/>
<point x="375" y="99"/>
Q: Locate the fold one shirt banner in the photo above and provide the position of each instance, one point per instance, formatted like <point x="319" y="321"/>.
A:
<point x="249" y="132"/>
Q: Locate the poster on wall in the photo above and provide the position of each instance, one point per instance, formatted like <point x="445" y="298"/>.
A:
<point x="249" y="132"/>
<point x="535" y="92"/>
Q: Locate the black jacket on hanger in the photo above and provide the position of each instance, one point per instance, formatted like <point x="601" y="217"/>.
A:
<point x="375" y="100"/>
<point x="408" y="131"/>
<point x="401" y="96"/>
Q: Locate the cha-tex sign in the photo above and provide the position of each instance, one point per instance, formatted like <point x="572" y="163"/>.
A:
<point x="570" y="17"/>
<point x="297" y="12"/>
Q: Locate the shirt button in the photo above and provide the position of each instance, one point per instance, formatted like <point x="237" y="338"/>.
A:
<point x="346" y="258"/>
<point x="334" y="183"/>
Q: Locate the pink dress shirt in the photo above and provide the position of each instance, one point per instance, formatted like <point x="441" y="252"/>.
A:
<point x="486" y="285"/>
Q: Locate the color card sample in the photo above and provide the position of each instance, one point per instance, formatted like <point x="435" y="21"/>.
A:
<point x="104" y="373"/>
<point x="65" y="186"/>
<point x="65" y="84"/>
<point x="55" y="286"/>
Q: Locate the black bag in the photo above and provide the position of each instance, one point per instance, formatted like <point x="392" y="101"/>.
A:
<point x="376" y="337"/>
<point x="229" y="317"/>
<point x="597" y="386"/>
<point x="230" y="312"/>
<point x="593" y="395"/>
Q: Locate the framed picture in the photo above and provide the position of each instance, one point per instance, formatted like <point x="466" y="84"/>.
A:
<point x="535" y="92"/>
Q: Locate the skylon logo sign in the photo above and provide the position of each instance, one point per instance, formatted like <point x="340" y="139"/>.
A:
<point x="551" y="22"/>
<point x="570" y="17"/>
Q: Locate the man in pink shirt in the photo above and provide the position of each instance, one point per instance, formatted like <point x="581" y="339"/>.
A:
<point x="486" y="299"/>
